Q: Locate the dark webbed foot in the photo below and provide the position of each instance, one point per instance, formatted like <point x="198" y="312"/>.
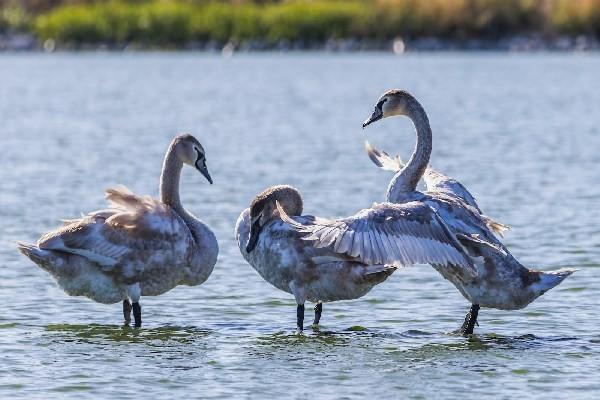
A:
<point x="137" y="314"/>
<point x="318" y="311"/>
<point x="127" y="311"/>
<point x="300" y="317"/>
<point x="470" y="321"/>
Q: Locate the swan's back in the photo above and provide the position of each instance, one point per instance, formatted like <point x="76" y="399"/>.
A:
<point x="138" y="239"/>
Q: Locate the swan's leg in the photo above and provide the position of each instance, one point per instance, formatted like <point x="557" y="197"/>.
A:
<point x="470" y="321"/>
<point x="127" y="311"/>
<point x="137" y="314"/>
<point x="299" y="293"/>
<point x="300" y="317"/>
<point x="318" y="311"/>
<point x="135" y="292"/>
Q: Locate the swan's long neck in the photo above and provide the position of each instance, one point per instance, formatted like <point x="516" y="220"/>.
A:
<point x="406" y="180"/>
<point x="169" y="181"/>
<point x="169" y="195"/>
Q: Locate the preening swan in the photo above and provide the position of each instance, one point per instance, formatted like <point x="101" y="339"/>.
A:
<point x="138" y="247"/>
<point x="501" y="281"/>
<point x="322" y="260"/>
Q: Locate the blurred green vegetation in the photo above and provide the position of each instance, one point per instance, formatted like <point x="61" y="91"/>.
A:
<point x="14" y="17"/>
<point x="176" y="22"/>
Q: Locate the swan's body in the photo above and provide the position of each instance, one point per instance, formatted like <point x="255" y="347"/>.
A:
<point x="138" y="247"/>
<point x="317" y="259"/>
<point x="501" y="281"/>
<point x="294" y="266"/>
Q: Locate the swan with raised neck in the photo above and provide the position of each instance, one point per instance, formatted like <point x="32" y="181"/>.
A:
<point x="396" y="103"/>
<point x="502" y="282"/>
<point x="138" y="247"/>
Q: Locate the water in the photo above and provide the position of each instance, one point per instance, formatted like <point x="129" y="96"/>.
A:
<point x="522" y="132"/>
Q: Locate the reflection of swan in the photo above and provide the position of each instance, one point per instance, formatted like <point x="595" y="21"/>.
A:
<point x="344" y="258"/>
<point x="139" y="246"/>
<point x="162" y="336"/>
<point x="502" y="282"/>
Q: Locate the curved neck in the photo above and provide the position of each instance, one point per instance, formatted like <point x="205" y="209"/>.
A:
<point x="406" y="180"/>
<point x="206" y="242"/>
<point x="169" y="180"/>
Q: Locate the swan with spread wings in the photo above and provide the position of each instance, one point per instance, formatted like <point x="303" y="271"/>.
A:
<point x="501" y="281"/>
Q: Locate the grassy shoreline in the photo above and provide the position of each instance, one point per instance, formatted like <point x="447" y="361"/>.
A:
<point x="311" y="24"/>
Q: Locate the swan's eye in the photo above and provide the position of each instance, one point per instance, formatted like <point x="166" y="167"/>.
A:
<point x="380" y="104"/>
<point x="200" y="155"/>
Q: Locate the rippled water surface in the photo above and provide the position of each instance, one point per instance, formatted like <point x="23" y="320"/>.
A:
<point x="522" y="132"/>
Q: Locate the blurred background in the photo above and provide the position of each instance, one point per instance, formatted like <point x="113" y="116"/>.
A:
<point x="394" y="25"/>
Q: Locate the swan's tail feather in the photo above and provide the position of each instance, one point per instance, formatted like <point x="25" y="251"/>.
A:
<point x="550" y="279"/>
<point x="376" y="274"/>
<point x="35" y="254"/>
<point x="382" y="159"/>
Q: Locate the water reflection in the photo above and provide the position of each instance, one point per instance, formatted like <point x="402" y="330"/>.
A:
<point x="95" y="333"/>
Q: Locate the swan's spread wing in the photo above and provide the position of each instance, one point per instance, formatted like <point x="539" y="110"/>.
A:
<point x="399" y="234"/>
<point x="438" y="184"/>
<point x="382" y="159"/>
<point x="134" y="228"/>
<point x="462" y="217"/>
<point x="434" y="180"/>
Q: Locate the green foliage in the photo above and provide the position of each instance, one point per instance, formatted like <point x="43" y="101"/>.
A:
<point x="70" y="24"/>
<point x="456" y="18"/>
<point x="13" y="17"/>
<point x="313" y="21"/>
<point x="175" y="22"/>
<point x="576" y="17"/>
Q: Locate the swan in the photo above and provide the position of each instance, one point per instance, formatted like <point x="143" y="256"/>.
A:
<point x="322" y="260"/>
<point x="139" y="246"/>
<point x="501" y="281"/>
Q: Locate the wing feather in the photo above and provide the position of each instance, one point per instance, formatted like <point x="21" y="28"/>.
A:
<point x="399" y="234"/>
<point x="134" y="225"/>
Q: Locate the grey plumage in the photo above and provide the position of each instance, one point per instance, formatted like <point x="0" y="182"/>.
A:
<point x="397" y="234"/>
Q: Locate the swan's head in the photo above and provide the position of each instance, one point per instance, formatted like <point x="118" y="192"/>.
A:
<point x="264" y="208"/>
<point x="391" y="103"/>
<point x="190" y="152"/>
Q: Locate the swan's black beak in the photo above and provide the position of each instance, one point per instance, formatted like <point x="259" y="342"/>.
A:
<point x="254" y="232"/>
<point x="201" y="166"/>
<point x="376" y="116"/>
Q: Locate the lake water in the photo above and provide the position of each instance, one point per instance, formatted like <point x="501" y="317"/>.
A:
<point x="522" y="132"/>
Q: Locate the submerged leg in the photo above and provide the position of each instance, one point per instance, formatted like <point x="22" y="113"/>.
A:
<point x="318" y="311"/>
<point x="470" y="321"/>
<point x="300" y="317"/>
<point x="137" y="314"/>
<point x="127" y="311"/>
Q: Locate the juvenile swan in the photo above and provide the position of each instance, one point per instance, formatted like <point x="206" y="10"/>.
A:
<point x="501" y="281"/>
<point x="322" y="260"/>
<point x="138" y="247"/>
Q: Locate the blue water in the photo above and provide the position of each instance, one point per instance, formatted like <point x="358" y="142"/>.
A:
<point x="522" y="132"/>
